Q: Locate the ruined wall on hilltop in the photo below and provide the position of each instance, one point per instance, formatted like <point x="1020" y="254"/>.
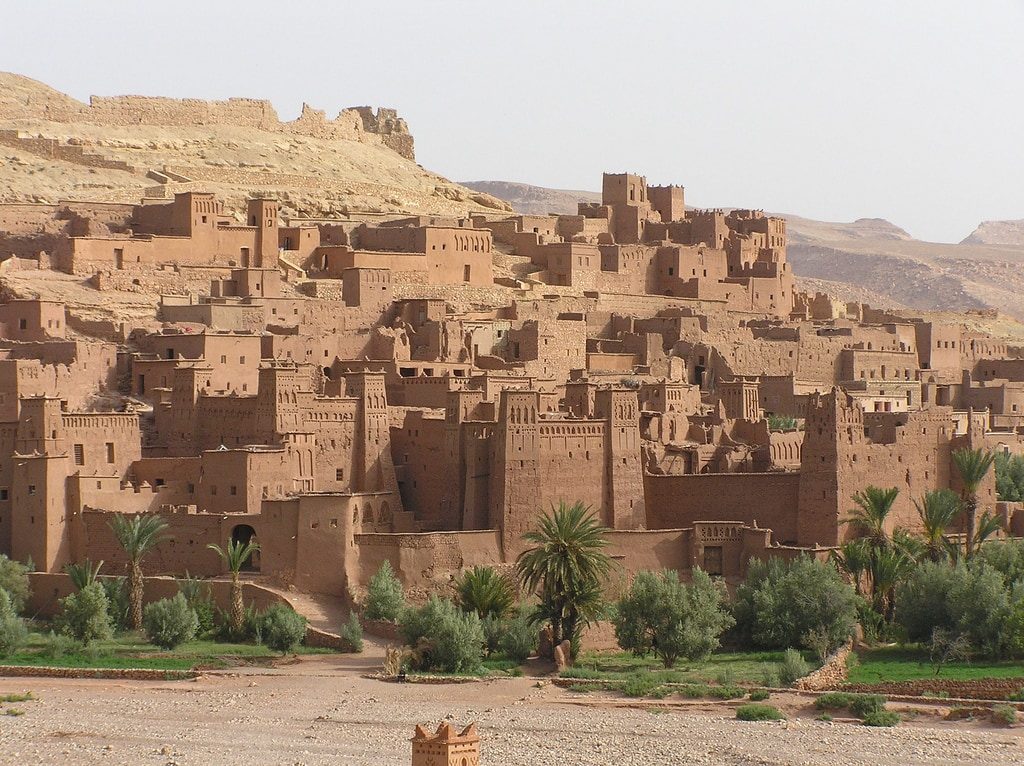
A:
<point x="361" y="123"/>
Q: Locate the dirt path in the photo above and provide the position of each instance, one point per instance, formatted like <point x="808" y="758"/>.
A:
<point x="320" y="711"/>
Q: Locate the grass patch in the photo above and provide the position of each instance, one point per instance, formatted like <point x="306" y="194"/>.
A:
<point x="731" y="667"/>
<point x="17" y="697"/>
<point x="14" y="711"/>
<point x="890" y="664"/>
<point x="499" y="663"/>
<point x="759" y="695"/>
<point x="758" y="712"/>
<point x="131" y="650"/>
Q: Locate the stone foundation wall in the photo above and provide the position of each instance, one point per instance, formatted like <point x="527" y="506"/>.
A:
<point x="981" y="688"/>
<point x="830" y="675"/>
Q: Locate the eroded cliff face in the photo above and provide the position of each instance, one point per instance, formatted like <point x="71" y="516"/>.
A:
<point x="53" y="147"/>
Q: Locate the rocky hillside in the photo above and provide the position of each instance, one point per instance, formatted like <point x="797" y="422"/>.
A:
<point x="997" y="233"/>
<point x="870" y="259"/>
<point x="534" y="200"/>
<point x="53" y="147"/>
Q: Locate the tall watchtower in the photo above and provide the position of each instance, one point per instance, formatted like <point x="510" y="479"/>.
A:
<point x="262" y="214"/>
<point x="624" y="189"/>
<point x="515" y="471"/>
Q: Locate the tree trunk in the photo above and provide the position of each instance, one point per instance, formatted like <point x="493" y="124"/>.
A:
<point x="135" y="594"/>
<point x="971" y="508"/>
<point x="237" y="605"/>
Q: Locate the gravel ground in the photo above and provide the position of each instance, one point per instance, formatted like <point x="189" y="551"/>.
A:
<point x="321" y="712"/>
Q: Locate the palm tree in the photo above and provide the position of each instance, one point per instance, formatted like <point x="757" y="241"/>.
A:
<point x="938" y="510"/>
<point x="84" y="574"/>
<point x="566" y="566"/>
<point x="138" y="535"/>
<point x="988" y="525"/>
<point x="873" y="507"/>
<point x="854" y="558"/>
<point x="972" y="465"/>
<point x="235" y="556"/>
<point x="889" y="566"/>
<point x="484" y="591"/>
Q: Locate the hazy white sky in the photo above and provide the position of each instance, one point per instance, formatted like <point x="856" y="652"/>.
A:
<point x="831" y="109"/>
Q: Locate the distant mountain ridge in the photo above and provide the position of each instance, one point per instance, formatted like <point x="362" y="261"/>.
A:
<point x="534" y="200"/>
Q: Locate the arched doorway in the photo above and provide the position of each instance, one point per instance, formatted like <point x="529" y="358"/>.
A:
<point x="241" y="535"/>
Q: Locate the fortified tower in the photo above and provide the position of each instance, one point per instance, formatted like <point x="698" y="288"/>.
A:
<point x="624" y="494"/>
<point x="38" y="503"/>
<point x="374" y="470"/>
<point x="740" y="399"/>
<point x="834" y="426"/>
<point x="515" y="468"/>
<point x="189" y="383"/>
<point x="262" y="214"/>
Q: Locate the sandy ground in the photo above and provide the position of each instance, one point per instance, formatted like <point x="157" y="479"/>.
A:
<point x="320" y="711"/>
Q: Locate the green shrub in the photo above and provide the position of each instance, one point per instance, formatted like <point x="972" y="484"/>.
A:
<point x="759" y="695"/>
<point x="1009" y="471"/>
<point x="833" y="701"/>
<point x="57" y="645"/>
<point x="385" y="598"/>
<point x="863" y="705"/>
<point x="282" y="627"/>
<point x="672" y="619"/>
<point x="352" y="633"/>
<point x="781" y="603"/>
<point x="251" y="629"/>
<point x="770" y="675"/>
<point x="1018" y="696"/>
<point x="197" y="594"/>
<point x="84" y="615"/>
<point x="519" y="640"/>
<point x="639" y="684"/>
<point x="13" y="632"/>
<point x="118" y="606"/>
<point x="881" y="718"/>
<point x="971" y="600"/>
<point x="792" y="667"/>
<point x="493" y="628"/>
<point x="581" y="673"/>
<point x="484" y="591"/>
<point x="14" y="580"/>
<point x="826" y="717"/>
<point x="443" y="636"/>
<point x="1004" y="714"/>
<point x="980" y="604"/>
<point x="170" y="622"/>
<point x="756" y="711"/>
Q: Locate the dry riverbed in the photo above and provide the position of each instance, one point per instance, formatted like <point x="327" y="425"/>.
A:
<point x="320" y="711"/>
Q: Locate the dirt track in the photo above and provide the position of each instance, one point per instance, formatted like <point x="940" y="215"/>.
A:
<point x="321" y="712"/>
